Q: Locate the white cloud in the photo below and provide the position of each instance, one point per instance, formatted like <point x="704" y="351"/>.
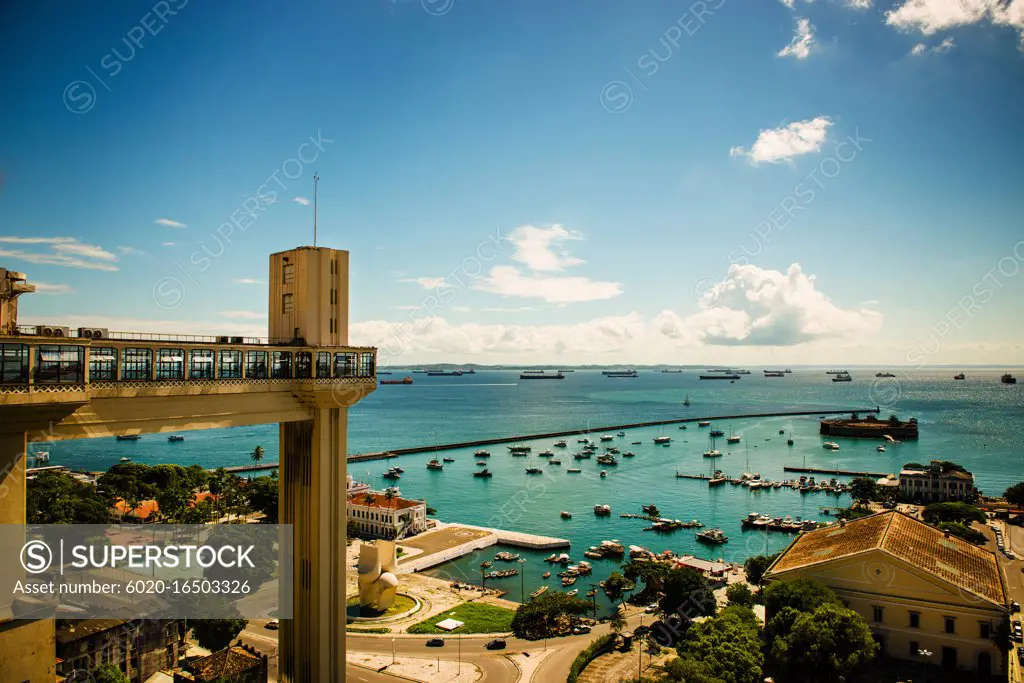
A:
<point x="247" y="315"/>
<point x="931" y="16"/>
<point x="511" y="281"/>
<point x="167" y="222"/>
<point x="945" y="46"/>
<point x="131" y="251"/>
<point x="167" y="244"/>
<point x="751" y="307"/>
<point x="787" y="3"/>
<point x="248" y="281"/>
<point x="858" y="4"/>
<point x="424" y="282"/>
<point x="782" y="144"/>
<point x="68" y="252"/>
<point x="513" y="309"/>
<point x="301" y="200"/>
<point x="755" y="306"/>
<point x="540" y="248"/>
<point x="49" y="288"/>
<point x="803" y="40"/>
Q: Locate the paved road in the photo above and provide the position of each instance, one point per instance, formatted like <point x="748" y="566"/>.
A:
<point x="493" y="665"/>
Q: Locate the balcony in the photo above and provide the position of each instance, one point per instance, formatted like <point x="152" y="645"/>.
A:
<point x="52" y="369"/>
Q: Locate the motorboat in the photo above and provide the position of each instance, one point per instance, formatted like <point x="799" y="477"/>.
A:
<point x="448" y="459"/>
<point x="435" y="465"/>
<point x="628" y="454"/>
<point x="546" y="575"/>
<point x="539" y="592"/>
<point x="604" y="473"/>
<point x="481" y="463"/>
<point x="175" y="438"/>
<point x="560" y="443"/>
<point x="483" y="473"/>
<point x="712" y="536"/>
<point x="128" y="437"/>
<point x="960" y="376"/>
<point x="534" y="470"/>
<point x="662" y="439"/>
<point x="566" y="515"/>
<point x="519" y="449"/>
<point x="126" y="459"/>
<point x="621" y="434"/>
<point x="482" y="454"/>
<point x="607" y="437"/>
<point x="574" y="591"/>
<point x="392" y="474"/>
<point x="830" y="445"/>
<point x="717" y="433"/>
<point x="573" y="470"/>
<point x="555" y="461"/>
<point x="602" y="510"/>
<point x="704" y="423"/>
<point x="880" y="448"/>
<point x="546" y="454"/>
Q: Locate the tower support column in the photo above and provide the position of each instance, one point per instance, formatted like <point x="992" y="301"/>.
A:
<point x="312" y="499"/>
<point x="28" y="644"/>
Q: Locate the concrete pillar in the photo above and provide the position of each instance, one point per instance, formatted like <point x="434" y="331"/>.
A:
<point x="27" y="647"/>
<point x="312" y="499"/>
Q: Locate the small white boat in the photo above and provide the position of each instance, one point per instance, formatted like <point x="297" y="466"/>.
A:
<point x="880" y="448"/>
<point x="42" y="456"/>
<point x="604" y="473"/>
<point x="574" y="591"/>
<point x="830" y="445"/>
<point x="126" y="459"/>
<point x="560" y="443"/>
<point x="662" y="439"/>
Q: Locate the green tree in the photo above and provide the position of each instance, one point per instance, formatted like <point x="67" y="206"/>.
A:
<point x="687" y="669"/>
<point x="740" y="594"/>
<point x="726" y="647"/>
<point x="57" y="498"/>
<point x="108" y="673"/>
<point x="803" y="595"/>
<point x="616" y="586"/>
<point x="687" y="593"/>
<point x="617" y="621"/>
<point x="257" y="455"/>
<point x="216" y="487"/>
<point x="824" y="644"/>
<point x="262" y="493"/>
<point x="963" y="513"/>
<point x="126" y="482"/>
<point x="173" y="502"/>
<point x="1015" y="494"/>
<point x="216" y="634"/>
<point x="652" y="573"/>
<point x="756" y="565"/>
<point x="351" y="531"/>
<point x="963" y="531"/>
<point x="198" y="513"/>
<point x="863" y="488"/>
<point x="552" y="613"/>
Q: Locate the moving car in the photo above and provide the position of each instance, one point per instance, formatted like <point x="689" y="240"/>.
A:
<point x="435" y="642"/>
<point x="273" y="625"/>
<point x="496" y="644"/>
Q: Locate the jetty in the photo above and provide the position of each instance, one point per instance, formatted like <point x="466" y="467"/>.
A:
<point x="842" y="473"/>
<point x="593" y="430"/>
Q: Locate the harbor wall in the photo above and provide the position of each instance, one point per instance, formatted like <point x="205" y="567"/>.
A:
<point x="842" y="473"/>
<point x="421" y="562"/>
<point x="592" y="430"/>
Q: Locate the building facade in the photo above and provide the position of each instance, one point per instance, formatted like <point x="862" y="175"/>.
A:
<point x="377" y="517"/>
<point x="138" y="648"/>
<point x="919" y="590"/>
<point x="937" y="483"/>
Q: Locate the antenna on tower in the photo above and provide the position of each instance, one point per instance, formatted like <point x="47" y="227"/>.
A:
<point x="316" y="182"/>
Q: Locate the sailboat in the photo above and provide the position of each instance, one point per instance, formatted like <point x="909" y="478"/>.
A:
<point x="732" y="438"/>
<point x="687" y="401"/>
<point x="789" y="441"/>
<point x="712" y="452"/>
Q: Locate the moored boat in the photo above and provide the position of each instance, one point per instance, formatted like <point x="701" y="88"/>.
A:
<point x="175" y="438"/>
<point x="483" y="473"/>
<point x="712" y="536"/>
<point x="435" y="465"/>
<point x="602" y="510"/>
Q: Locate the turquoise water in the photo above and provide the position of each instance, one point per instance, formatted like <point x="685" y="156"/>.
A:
<point x="977" y="422"/>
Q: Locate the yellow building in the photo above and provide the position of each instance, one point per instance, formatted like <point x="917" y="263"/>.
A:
<point x="58" y="383"/>
<point x="918" y="588"/>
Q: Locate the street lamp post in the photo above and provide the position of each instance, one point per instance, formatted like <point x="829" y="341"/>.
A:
<point x="392" y="652"/>
<point x="924" y="655"/>
<point x="522" y="579"/>
<point x="640" y="651"/>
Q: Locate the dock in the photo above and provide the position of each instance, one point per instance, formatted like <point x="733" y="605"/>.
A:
<point x="448" y="542"/>
<point x="842" y="473"/>
<point x="593" y="430"/>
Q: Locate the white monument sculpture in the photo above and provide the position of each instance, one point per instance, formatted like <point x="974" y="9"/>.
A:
<point x="378" y="584"/>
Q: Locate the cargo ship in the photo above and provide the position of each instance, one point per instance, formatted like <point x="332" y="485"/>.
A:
<point x="404" y="380"/>
<point x="541" y="375"/>
<point x="1008" y="379"/>
<point x="444" y="373"/>
<point x="719" y="376"/>
<point x="619" y="373"/>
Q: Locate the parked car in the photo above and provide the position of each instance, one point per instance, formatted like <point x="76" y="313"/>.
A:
<point x="273" y="624"/>
<point x="1020" y="655"/>
<point x="496" y="644"/>
<point x="581" y="630"/>
<point x="1014" y="606"/>
<point x="435" y="642"/>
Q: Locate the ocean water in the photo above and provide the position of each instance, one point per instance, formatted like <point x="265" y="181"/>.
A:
<point x="977" y="423"/>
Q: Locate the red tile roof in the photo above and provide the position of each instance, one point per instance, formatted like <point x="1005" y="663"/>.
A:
<point x="377" y="500"/>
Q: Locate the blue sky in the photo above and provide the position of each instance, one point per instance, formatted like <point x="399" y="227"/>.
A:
<point x="630" y="155"/>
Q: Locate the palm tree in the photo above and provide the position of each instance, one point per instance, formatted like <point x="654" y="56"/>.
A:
<point x="257" y="455"/>
<point x="617" y="622"/>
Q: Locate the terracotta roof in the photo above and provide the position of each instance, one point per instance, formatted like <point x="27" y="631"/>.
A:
<point x="953" y="560"/>
<point x="224" y="664"/>
<point x="150" y="507"/>
<point x="377" y="500"/>
<point x="71" y="630"/>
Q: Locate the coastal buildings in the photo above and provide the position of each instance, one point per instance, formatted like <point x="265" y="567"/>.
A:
<point x="377" y="516"/>
<point x="938" y="482"/>
<point x="238" y="663"/>
<point x="58" y="383"/>
<point x="917" y="588"/>
<point x="352" y="486"/>
<point x="138" y="648"/>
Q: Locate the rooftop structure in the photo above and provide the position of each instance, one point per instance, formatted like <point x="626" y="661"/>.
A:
<point x="241" y="663"/>
<point x="917" y="587"/>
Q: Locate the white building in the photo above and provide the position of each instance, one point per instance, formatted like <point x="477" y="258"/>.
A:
<point x="937" y="483"/>
<point x="377" y="517"/>
<point x="354" y="486"/>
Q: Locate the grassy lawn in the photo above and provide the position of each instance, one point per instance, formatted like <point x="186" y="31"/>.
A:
<point x="479" y="618"/>
<point x="403" y="603"/>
